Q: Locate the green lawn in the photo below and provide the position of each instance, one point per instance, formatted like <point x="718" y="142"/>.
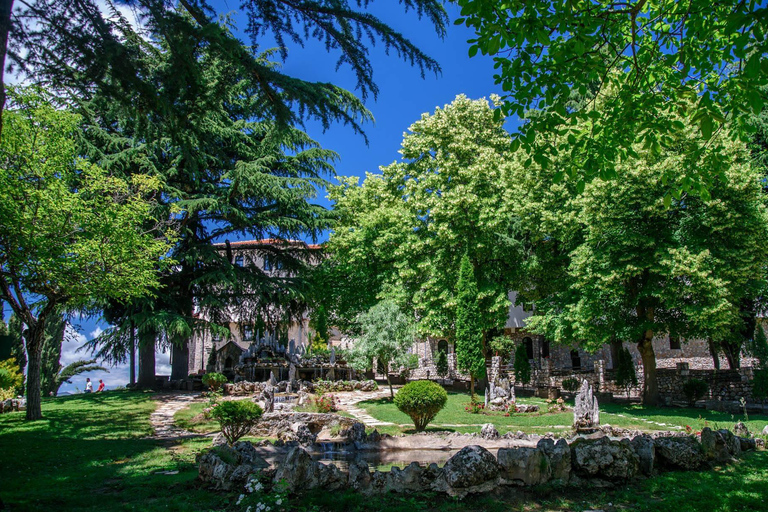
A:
<point x="90" y="453"/>
<point x="455" y="417"/>
<point x="191" y="418"/>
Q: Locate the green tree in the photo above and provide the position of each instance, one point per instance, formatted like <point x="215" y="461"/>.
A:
<point x="441" y="364"/>
<point x="50" y="364"/>
<point x="759" y="350"/>
<point x="469" y="334"/>
<point x="78" y="46"/>
<point x="386" y="335"/>
<point x="398" y="232"/>
<point x="72" y="235"/>
<point x="319" y="322"/>
<point x="620" y="262"/>
<point x="522" y="365"/>
<point x="703" y="63"/>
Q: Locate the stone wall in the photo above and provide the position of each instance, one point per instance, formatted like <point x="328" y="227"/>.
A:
<point x="596" y="460"/>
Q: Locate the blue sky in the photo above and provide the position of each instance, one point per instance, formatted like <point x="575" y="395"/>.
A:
<point x="403" y="97"/>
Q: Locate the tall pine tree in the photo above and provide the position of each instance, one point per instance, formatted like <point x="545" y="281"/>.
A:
<point x="469" y="333"/>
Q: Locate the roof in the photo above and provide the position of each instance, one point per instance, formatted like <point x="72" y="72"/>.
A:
<point x="246" y="244"/>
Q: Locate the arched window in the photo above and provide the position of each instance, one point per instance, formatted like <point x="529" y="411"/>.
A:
<point x="239" y="260"/>
<point x="575" y="360"/>
<point x="545" y="349"/>
<point x="528" y="342"/>
<point x="442" y="346"/>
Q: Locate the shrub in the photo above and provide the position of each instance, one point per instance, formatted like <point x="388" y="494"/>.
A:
<point x="324" y="403"/>
<point x="214" y="380"/>
<point x="441" y="364"/>
<point x="571" y="384"/>
<point x="503" y="345"/>
<point x="421" y="400"/>
<point x="522" y="365"/>
<point x="236" y="417"/>
<point x="11" y="378"/>
<point x="695" y="389"/>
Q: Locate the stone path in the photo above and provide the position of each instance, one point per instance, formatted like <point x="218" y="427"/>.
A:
<point x="348" y="400"/>
<point x="161" y="420"/>
<point x="650" y="422"/>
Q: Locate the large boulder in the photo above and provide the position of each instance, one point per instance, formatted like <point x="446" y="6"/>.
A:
<point x="359" y="476"/>
<point x="713" y="445"/>
<point x="355" y="433"/>
<point x="303" y="434"/>
<point x="679" y="452"/>
<point x="559" y="454"/>
<point x="604" y="459"/>
<point x="586" y="413"/>
<point x="228" y="468"/>
<point x="524" y="466"/>
<point x="473" y="469"/>
<point x="646" y="453"/>
<point x="298" y="471"/>
<point x="404" y="480"/>
<point x="731" y="442"/>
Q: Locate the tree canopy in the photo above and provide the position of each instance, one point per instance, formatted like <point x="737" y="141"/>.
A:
<point x="704" y="63"/>
<point x="72" y="235"/>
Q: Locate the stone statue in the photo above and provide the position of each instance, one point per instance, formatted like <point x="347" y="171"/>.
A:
<point x="292" y="346"/>
<point x="269" y="398"/>
<point x="272" y="378"/>
<point x="586" y="414"/>
<point x="333" y="355"/>
<point x="292" y="373"/>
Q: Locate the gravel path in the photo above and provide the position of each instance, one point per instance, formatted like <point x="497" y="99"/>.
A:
<point x="161" y="420"/>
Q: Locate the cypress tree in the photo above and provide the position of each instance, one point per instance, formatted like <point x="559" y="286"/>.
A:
<point x="522" y="365"/>
<point x="469" y="332"/>
<point x="625" y="371"/>
<point x="51" y="363"/>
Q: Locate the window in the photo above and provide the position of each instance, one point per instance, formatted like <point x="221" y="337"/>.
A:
<point x="442" y="346"/>
<point x="674" y="342"/>
<point x="248" y="332"/>
<point x="528" y="342"/>
<point x="575" y="360"/>
<point x="239" y="260"/>
<point x="545" y="349"/>
<point x="267" y="263"/>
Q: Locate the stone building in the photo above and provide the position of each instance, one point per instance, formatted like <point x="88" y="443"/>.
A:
<point x="214" y="351"/>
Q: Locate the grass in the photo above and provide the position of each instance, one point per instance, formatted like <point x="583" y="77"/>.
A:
<point x="454" y="417"/>
<point x="191" y="418"/>
<point x="91" y="453"/>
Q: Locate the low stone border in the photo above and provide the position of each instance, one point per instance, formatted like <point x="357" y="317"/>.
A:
<point x="13" y="404"/>
<point x="596" y="460"/>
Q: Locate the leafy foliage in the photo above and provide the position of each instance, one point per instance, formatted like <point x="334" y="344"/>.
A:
<point x="214" y="380"/>
<point x="441" y="364"/>
<point x="236" y="418"/>
<point x="59" y="211"/>
<point x="421" y="400"/>
<point x="570" y="384"/>
<point x="703" y="64"/>
<point x="387" y="334"/>
<point x="695" y="389"/>
<point x="760" y="351"/>
<point x="73" y="369"/>
<point x="625" y="370"/>
<point x="401" y="234"/>
<point x="10" y="377"/>
<point x="469" y="335"/>
<point x="522" y="365"/>
<point x="504" y="346"/>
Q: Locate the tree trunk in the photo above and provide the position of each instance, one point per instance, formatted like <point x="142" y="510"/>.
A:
<point x="472" y="388"/>
<point x="650" y="384"/>
<point x="391" y="391"/>
<point x="34" y="336"/>
<point x="6" y="8"/>
<point x="146" y="361"/>
<point x="714" y="353"/>
<point x="180" y="361"/>
<point x="732" y="351"/>
<point x="132" y="352"/>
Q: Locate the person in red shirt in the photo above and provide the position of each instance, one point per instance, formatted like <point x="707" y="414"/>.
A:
<point x="101" y="386"/>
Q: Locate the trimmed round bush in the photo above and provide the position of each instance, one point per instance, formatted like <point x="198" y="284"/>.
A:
<point x="421" y="400"/>
<point x="236" y="417"/>
<point x="214" y="380"/>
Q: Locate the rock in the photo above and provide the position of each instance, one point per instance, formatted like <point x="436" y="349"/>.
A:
<point x="559" y="454"/>
<point x="646" y="452"/>
<point x="765" y="430"/>
<point x="359" y="476"/>
<point x="473" y="469"/>
<point x="272" y="379"/>
<point x="603" y="458"/>
<point x="489" y="431"/>
<point x="227" y="468"/>
<point x="679" y="452"/>
<point x="759" y="443"/>
<point x="356" y="433"/>
<point x="219" y="440"/>
<point x="524" y="466"/>
<point x="404" y="480"/>
<point x="524" y="408"/>
<point x="747" y="443"/>
<point x="741" y="430"/>
<point x="586" y="413"/>
<point x="713" y="446"/>
<point x="303" y="435"/>
<point x="731" y="442"/>
<point x="373" y="437"/>
<point x="298" y="471"/>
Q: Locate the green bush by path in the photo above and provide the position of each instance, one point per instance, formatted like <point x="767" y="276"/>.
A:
<point x="214" y="380"/>
<point x="421" y="400"/>
<point x="236" y="418"/>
